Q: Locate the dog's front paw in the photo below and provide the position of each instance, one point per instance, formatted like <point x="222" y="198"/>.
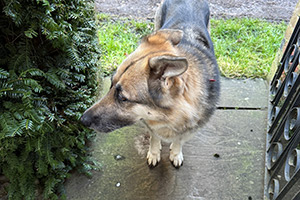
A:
<point x="153" y="159"/>
<point x="176" y="159"/>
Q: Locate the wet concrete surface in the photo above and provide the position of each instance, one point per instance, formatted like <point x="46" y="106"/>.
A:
<point x="224" y="161"/>
<point x="246" y="93"/>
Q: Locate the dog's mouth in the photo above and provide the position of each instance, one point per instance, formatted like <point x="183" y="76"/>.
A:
<point x="109" y="127"/>
<point x="104" y="124"/>
<point x="102" y="130"/>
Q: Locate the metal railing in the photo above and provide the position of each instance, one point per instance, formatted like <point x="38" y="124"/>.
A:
<point x="282" y="177"/>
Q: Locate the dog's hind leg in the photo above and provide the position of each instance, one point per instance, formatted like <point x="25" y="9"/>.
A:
<point x="176" y="156"/>
<point x="153" y="156"/>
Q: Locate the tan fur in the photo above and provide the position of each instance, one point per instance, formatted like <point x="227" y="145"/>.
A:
<point x="165" y="83"/>
<point x="180" y="91"/>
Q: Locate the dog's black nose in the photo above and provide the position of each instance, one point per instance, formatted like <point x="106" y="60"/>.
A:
<point x="86" y="119"/>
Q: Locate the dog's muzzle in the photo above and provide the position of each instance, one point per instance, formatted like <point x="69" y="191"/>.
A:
<point x="87" y="119"/>
<point x="104" y="122"/>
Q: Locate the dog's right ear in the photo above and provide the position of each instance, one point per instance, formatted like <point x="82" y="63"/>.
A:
<point x="168" y="66"/>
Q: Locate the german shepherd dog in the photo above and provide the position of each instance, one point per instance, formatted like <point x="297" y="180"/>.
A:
<point x="171" y="81"/>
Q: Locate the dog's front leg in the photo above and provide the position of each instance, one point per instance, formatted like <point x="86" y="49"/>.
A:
<point x="176" y="156"/>
<point x="153" y="155"/>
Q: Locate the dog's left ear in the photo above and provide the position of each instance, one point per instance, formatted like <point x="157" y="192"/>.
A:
<point x="174" y="36"/>
<point x="168" y="66"/>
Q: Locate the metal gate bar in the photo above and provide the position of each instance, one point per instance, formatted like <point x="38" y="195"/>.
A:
<point x="283" y="136"/>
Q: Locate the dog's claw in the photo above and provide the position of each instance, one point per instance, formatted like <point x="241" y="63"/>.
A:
<point x="176" y="159"/>
<point x="153" y="159"/>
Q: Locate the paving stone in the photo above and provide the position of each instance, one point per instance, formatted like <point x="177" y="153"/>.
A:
<point x="248" y="93"/>
<point x="225" y="160"/>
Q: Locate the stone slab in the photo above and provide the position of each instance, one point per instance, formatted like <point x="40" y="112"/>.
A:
<point x="225" y="160"/>
<point x="248" y="93"/>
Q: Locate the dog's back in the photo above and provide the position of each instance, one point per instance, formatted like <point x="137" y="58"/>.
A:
<point x="190" y="16"/>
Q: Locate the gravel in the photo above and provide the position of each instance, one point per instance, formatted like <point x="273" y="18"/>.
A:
<point x="271" y="10"/>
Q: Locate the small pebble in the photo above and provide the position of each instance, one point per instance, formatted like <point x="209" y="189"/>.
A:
<point x="216" y="155"/>
<point x="119" y="157"/>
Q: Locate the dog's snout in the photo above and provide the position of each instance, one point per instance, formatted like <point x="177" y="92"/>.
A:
<point x="86" y="119"/>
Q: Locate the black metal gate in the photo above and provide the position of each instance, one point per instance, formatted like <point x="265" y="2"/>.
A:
<point x="282" y="179"/>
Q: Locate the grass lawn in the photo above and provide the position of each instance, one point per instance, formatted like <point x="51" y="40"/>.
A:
<point x="245" y="48"/>
<point x="118" y="38"/>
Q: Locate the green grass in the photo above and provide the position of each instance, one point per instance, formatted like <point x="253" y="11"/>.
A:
<point x="118" y="38"/>
<point x="245" y="48"/>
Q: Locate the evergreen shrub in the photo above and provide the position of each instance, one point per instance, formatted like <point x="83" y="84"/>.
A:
<point x="48" y="63"/>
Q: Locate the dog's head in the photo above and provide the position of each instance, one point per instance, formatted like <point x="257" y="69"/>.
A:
<point x="143" y="86"/>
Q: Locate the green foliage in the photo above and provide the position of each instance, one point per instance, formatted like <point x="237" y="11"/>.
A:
<point x="48" y="63"/>
<point x="246" y="47"/>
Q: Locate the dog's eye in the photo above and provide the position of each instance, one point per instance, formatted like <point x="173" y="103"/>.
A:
<point x="122" y="98"/>
<point x="119" y="95"/>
